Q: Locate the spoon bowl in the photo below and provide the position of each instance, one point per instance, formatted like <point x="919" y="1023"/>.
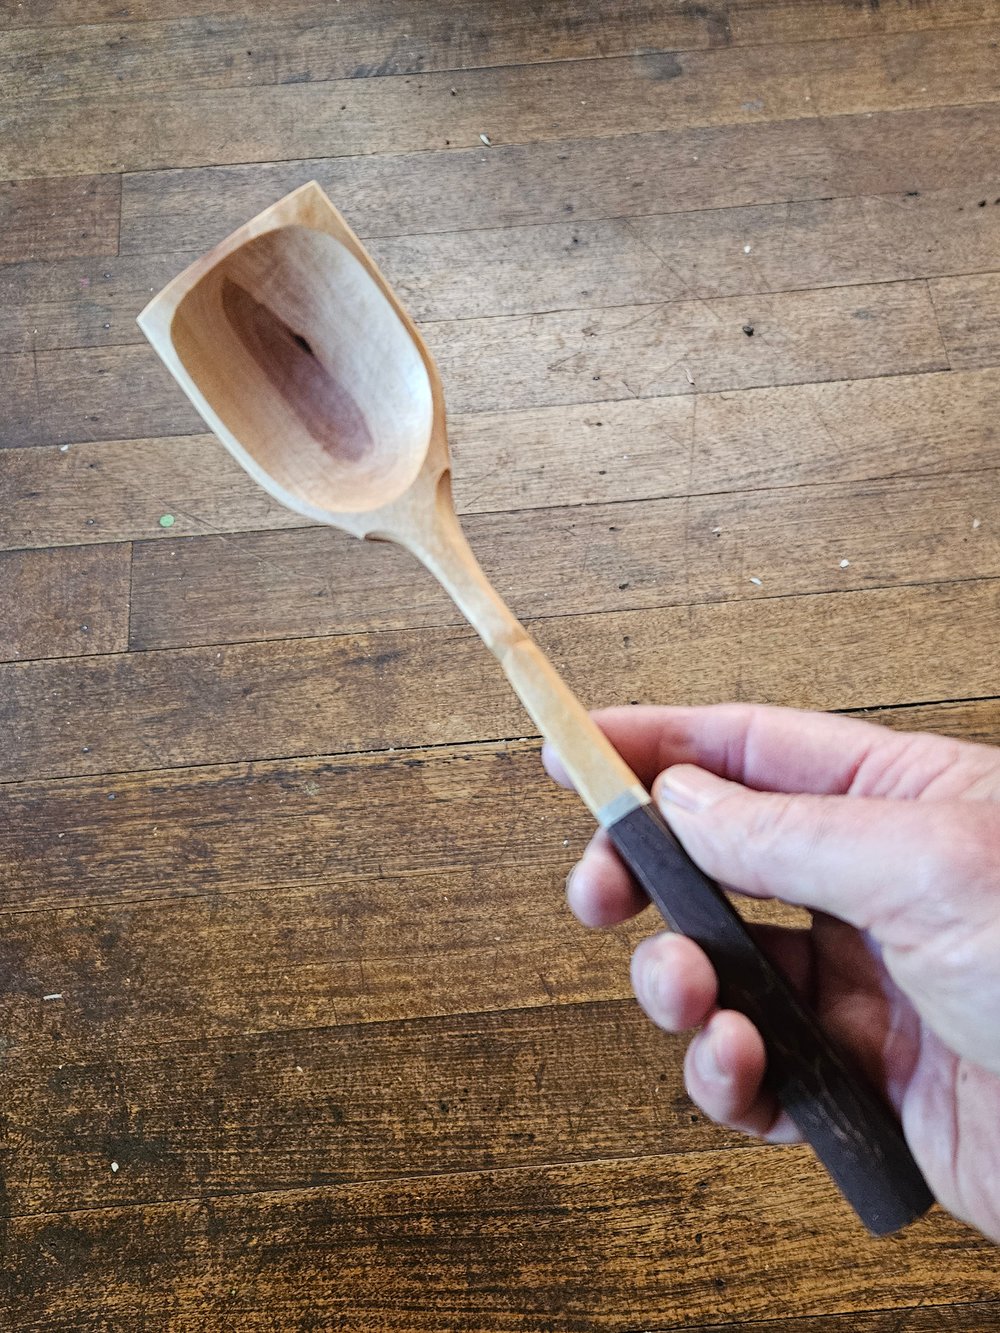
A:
<point x="312" y="369"/>
<point x="294" y="349"/>
<point x="298" y="354"/>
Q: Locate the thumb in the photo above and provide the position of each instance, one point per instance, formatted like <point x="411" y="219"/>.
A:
<point x="897" y="868"/>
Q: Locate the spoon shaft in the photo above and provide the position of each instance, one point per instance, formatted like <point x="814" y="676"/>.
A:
<point x="852" y="1131"/>
<point x="604" y="781"/>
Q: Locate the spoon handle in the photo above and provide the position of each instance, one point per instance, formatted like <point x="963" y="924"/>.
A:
<point x="852" y="1131"/>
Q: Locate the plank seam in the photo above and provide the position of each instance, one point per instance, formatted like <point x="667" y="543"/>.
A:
<point x="937" y="318"/>
<point x="46" y="31"/>
<point x="131" y="586"/>
<point x="531" y="740"/>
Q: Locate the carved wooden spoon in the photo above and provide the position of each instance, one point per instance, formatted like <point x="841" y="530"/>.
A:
<point x="295" y="351"/>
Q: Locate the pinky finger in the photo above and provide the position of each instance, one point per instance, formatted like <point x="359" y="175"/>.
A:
<point x="724" y="1072"/>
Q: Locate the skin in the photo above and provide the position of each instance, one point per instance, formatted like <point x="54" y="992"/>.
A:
<point x="892" y="840"/>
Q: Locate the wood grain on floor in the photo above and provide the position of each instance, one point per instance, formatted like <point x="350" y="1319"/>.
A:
<point x="296" y="1030"/>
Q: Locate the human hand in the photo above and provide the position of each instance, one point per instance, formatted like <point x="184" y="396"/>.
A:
<point x="892" y="840"/>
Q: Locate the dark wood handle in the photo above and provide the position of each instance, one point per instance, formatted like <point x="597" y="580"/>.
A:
<point x="852" y="1131"/>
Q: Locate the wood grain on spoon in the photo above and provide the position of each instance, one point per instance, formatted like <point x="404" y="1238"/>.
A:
<point x="323" y="401"/>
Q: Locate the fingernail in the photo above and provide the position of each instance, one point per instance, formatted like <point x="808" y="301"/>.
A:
<point x="706" y="1059"/>
<point x="569" y="881"/>
<point x="689" y="787"/>
<point x="647" y="981"/>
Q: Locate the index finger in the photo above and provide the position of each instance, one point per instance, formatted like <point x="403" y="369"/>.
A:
<point x="767" y="748"/>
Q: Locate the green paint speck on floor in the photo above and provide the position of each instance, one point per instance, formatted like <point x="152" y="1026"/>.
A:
<point x="166" y="520"/>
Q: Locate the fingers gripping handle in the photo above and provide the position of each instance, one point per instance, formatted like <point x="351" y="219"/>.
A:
<point x="853" y="1133"/>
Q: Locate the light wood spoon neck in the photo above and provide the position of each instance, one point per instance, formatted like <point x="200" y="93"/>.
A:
<point x="431" y="531"/>
<point x="428" y="527"/>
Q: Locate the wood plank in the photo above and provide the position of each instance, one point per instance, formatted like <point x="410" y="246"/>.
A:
<point x="636" y="173"/>
<point x="652" y="350"/>
<point x="367" y="692"/>
<point x="968" y="311"/>
<point x="843" y="431"/>
<point x="99" y="392"/>
<point x="65" y="217"/>
<point x="195" y="834"/>
<point x="113" y="490"/>
<point x="568" y="356"/>
<point x="156" y="52"/>
<point x="285" y="963"/>
<point x="664" y="1240"/>
<point x="978" y="721"/>
<point x="592" y="99"/>
<point x="190" y="834"/>
<point x="620" y="261"/>
<point x="67" y="602"/>
<point x="208" y="43"/>
<point x="89" y="302"/>
<point x="329" y="1105"/>
<point x="973" y="1317"/>
<point x="822" y="433"/>
<point x="741" y="20"/>
<point x="613" y="557"/>
<point x="975" y="720"/>
<point x="316" y="43"/>
<point x="566" y="265"/>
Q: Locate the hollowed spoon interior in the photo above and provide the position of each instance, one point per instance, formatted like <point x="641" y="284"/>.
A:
<point x="296" y="352"/>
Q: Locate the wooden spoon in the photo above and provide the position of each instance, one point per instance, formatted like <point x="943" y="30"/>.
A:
<point x="292" y="347"/>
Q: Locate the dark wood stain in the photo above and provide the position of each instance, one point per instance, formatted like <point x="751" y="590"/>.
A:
<point x="323" y="404"/>
<point x="850" y="1128"/>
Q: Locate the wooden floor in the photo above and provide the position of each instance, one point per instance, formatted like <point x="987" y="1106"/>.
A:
<point x="296" y="1031"/>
